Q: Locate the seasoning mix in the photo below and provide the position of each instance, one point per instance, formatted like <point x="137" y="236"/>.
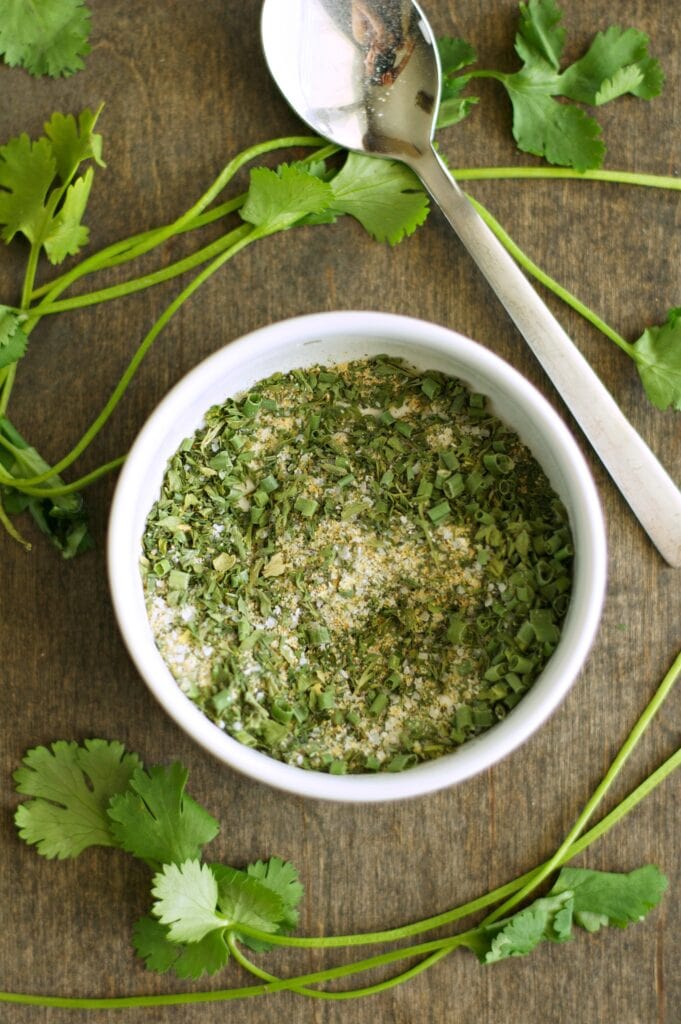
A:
<point x="356" y="568"/>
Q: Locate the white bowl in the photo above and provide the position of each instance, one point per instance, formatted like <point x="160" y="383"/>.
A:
<point x="333" y="338"/>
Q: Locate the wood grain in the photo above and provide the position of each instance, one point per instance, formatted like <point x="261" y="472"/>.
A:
<point x="186" y="88"/>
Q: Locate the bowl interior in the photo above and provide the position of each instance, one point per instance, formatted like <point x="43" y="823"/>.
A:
<point x="334" y="338"/>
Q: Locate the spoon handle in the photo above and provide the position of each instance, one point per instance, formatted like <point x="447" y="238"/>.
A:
<point x="647" y="487"/>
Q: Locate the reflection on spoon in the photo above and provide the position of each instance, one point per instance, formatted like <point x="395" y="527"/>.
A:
<point x="386" y="36"/>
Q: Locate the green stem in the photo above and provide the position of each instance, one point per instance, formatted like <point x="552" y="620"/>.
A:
<point x="29" y="276"/>
<point x="355" y="993"/>
<point x="498" y="76"/>
<point x="625" y="806"/>
<point x="221" y="995"/>
<point x="7" y="385"/>
<point x="75" y="485"/>
<point x="29" y="280"/>
<point x="147" y="280"/>
<point x="540" y="173"/>
<point x="549" y="282"/>
<point x="11" y="529"/>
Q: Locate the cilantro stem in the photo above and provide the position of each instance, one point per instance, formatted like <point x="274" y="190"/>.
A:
<point x="11" y="529"/>
<point x="7" y="385"/>
<point x="29" y="279"/>
<point x="440" y="946"/>
<point x="147" y="280"/>
<point x="29" y="276"/>
<point x="75" y="485"/>
<point x="534" y="173"/>
<point x="355" y="993"/>
<point x="532" y="268"/>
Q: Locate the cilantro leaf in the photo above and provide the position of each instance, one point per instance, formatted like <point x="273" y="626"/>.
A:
<point x="63" y="519"/>
<point x="547" y="919"/>
<point x="623" y="81"/>
<point x="186" y="896"/>
<point x="40" y="197"/>
<point x="265" y="896"/>
<point x="455" y="54"/>
<point x="244" y="899"/>
<point x="616" y="62"/>
<point x="383" y="195"/>
<point x="540" y="33"/>
<point x="45" y="38"/>
<point x="13" y="341"/>
<point x="562" y="134"/>
<point x="282" y="878"/>
<point x="279" y="199"/>
<point x="74" y="141"/>
<point x="602" y="898"/>
<point x="72" y="786"/>
<point x="190" y="961"/>
<point x="151" y="943"/>
<point x="590" y="899"/>
<point x="658" y="359"/>
<point x="615" y="52"/>
<point x="157" y="821"/>
<point x="66" y="235"/>
<point x="27" y="171"/>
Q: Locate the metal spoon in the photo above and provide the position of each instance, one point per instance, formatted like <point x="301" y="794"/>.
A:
<point x="365" y="74"/>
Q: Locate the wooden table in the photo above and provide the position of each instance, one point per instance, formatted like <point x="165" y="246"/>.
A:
<point x="185" y="88"/>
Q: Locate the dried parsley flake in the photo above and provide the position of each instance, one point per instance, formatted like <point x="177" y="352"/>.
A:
<point x="356" y="568"/>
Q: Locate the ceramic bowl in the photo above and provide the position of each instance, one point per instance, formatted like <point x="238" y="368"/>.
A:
<point x="333" y="338"/>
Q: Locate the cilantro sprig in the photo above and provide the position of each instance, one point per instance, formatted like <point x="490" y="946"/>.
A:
<point x="546" y="119"/>
<point x="202" y="912"/>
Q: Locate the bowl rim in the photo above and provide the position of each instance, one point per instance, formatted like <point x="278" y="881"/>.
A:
<point x="477" y="754"/>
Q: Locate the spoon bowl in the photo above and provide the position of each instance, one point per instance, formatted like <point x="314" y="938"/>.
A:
<point x="365" y="74"/>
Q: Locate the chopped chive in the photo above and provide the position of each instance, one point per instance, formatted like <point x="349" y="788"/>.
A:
<point x="450" y="459"/>
<point x="326" y="699"/>
<point x="178" y="580"/>
<point x="439" y="512"/>
<point x="269" y="484"/>
<point x="498" y="463"/>
<point x="430" y="387"/>
<point x="318" y="635"/>
<point x="379" y="703"/>
<point x="306" y="506"/>
<point x="251" y="405"/>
